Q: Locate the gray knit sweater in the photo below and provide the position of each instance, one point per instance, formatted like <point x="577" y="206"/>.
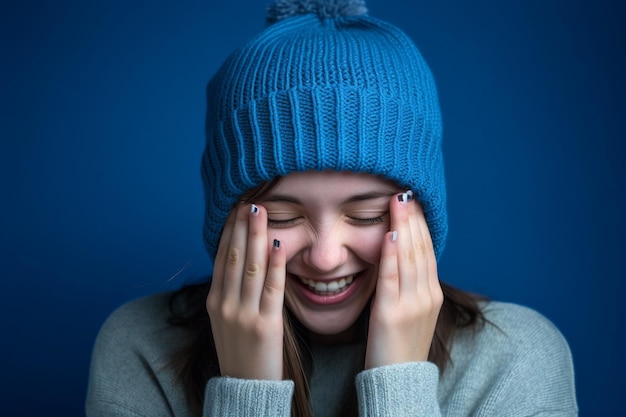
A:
<point x="519" y="365"/>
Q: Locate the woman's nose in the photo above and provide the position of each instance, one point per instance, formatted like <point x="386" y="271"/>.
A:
<point x="327" y="251"/>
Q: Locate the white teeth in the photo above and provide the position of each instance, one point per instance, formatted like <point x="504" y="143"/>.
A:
<point x="328" y="287"/>
<point x="332" y="286"/>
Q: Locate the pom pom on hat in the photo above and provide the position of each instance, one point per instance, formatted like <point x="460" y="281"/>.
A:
<point x="283" y="9"/>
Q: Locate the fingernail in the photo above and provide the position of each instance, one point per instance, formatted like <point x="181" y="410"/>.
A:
<point x="405" y="197"/>
<point x="276" y="243"/>
<point x="254" y="210"/>
<point x="394" y="235"/>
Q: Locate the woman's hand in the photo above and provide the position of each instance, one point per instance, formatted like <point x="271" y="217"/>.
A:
<point x="408" y="295"/>
<point x="245" y="302"/>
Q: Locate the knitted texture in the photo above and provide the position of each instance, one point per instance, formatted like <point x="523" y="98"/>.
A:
<point x="518" y="364"/>
<point x="323" y="93"/>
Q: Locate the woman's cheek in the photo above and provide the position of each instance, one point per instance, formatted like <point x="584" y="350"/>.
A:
<point x="368" y="242"/>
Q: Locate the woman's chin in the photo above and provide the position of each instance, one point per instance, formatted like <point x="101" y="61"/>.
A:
<point x="329" y="326"/>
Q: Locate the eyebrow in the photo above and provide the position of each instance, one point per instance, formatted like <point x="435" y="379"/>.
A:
<point x="368" y="196"/>
<point x="351" y="199"/>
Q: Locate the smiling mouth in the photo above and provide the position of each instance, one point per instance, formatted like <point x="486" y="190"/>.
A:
<point x="328" y="287"/>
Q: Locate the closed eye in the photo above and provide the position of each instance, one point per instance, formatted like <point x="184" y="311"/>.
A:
<point x="364" y="221"/>
<point x="283" y="223"/>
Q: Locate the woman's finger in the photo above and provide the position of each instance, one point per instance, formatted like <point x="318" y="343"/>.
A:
<point x="273" y="294"/>
<point x="217" y="280"/>
<point x="235" y="256"/>
<point x="255" y="265"/>
<point x="387" y="287"/>
<point x="410" y="262"/>
<point x="433" y="279"/>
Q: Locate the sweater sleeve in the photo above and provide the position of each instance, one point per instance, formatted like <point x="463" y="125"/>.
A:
<point x="408" y="389"/>
<point x="235" y="397"/>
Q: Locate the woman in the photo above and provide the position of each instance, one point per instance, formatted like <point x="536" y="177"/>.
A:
<point x="325" y="218"/>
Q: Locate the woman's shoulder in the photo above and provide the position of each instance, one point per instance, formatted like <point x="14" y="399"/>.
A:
<point x="517" y="357"/>
<point x="519" y="325"/>
<point x="142" y="314"/>
<point x="140" y="325"/>
<point x="135" y="343"/>
<point x="511" y="339"/>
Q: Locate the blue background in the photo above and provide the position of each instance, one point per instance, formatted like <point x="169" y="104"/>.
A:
<point x="102" y="130"/>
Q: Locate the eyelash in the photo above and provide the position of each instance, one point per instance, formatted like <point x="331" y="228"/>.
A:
<point x="283" y="223"/>
<point x="368" y="221"/>
<point x="356" y="220"/>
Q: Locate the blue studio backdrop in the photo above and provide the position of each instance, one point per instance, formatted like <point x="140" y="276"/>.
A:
<point x="102" y="130"/>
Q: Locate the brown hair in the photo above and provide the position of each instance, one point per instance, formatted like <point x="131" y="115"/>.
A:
<point x="197" y="362"/>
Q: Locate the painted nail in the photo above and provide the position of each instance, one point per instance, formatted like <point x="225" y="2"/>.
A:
<point x="405" y="197"/>
<point x="276" y="243"/>
<point x="394" y="235"/>
<point x="254" y="210"/>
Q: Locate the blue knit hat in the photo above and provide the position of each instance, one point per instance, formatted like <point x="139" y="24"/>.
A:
<point x="323" y="87"/>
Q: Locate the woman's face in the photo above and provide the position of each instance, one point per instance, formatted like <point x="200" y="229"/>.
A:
<point x="332" y="225"/>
